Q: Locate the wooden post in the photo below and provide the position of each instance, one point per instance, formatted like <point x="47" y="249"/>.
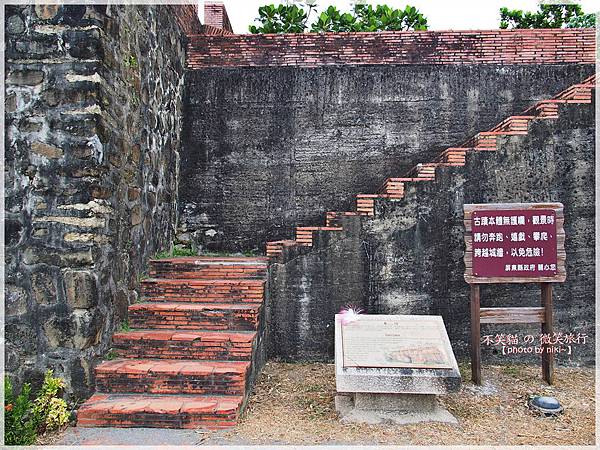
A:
<point x="475" y="335"/>
<point x="547" y="328"/>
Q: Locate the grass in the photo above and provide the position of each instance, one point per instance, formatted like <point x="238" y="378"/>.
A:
<point x="176" y="253"/>
<point x="125" y="325"/>
<point x="184" y="252"/>
<point x="181" y="252"/>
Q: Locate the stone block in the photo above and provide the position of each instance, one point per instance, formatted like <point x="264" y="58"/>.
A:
<point x="25" y="77"/>
<point x="80" y="289"/>
<point x="46" y="12"/>
<point x="46" y="150"/>
<point x="16" y="300"/>
<point x="15" y="24"/>
<point x="43" y="288"/>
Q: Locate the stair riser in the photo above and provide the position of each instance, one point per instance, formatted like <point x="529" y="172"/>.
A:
<point x="207" y="320"/>
<point x="152" y="383"/>
<point x="202" y="293"/>
<point x="192" y="272"/>
<point x="148" y="349"/>
<point x="207" y="421"/>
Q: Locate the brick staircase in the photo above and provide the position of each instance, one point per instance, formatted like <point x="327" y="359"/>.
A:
<point x="187" y="361"/>
<point x="393" y="188"/>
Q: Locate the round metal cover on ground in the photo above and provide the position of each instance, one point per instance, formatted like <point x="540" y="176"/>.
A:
<point x="546" y="405"/>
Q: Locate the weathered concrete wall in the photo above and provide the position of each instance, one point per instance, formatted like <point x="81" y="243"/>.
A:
<point x="93" y="127"/>
<point x="308" y="286"/>
<point x="266" y="149"/>
<point x="413" y="249"/>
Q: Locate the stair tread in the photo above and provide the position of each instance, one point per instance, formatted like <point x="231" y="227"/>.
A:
<point x="183" y="306"/>
<point x="186" y="335"/>
<point x="172" y="367"/>
<point x="207" y="281"/>
<point x="207" y="260"/>
<point x="120" y="403"/>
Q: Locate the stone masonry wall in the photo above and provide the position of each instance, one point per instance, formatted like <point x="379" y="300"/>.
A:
<point x="266" y="149"/>
<point x="93" y="128"/>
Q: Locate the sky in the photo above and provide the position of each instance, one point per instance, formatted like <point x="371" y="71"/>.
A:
<point x="441" y="14"/>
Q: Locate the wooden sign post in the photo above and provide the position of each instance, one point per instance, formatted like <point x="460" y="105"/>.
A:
<point x="513" y="243"/>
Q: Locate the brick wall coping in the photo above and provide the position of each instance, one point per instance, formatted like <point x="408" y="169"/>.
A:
<point x="540" y="46"/>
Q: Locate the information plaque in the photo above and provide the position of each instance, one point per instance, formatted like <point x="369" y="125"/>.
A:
<point x="514" y="243"/>
<point x="395" y="341"/>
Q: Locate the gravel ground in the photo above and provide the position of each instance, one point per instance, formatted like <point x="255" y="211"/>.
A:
<point x="294" y="404"/>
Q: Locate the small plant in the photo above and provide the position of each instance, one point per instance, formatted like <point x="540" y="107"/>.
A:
<point x="125" y="325"/>
<point x="111" y="354"/>
<point x="20" y="424"/>
<point x="24" y="419"/>
<point x="162" y="255"/>
<point x="131" y="62"/>
<point x="48" y="406"/>
<point x="176" y="252"/>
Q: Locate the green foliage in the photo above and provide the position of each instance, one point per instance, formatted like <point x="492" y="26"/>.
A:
<point x="176" y="252"/>
<point x="583" y="21"/>
<point x="48" y="406"/>
<point x="131" y="62"/>
<point x="24" y="419"/>
<point x="111" y="354"/>
<point x="125" y="325"/>
<point x="384" y="18"/>
<point x="547" y="16"/>
<point x="333" y="20"/>
<point x="162" y="255"/>
<point x="293" y="19"/>
<point x="20" y="423"/>
<point x="281" y="19"/>
<point x="181" y="251"/>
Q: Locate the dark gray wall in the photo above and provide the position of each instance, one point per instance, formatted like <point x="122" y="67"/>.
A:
<point x="266" y="149"/>
<point x="93" y="126"/>
<point x="412" y="251"/>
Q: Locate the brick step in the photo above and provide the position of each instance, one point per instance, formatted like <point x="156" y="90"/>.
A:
<point x="304" y="235"/>
<point x="160" y="411"/>
<point x="206" y="316"/>
<point x="484" y="141"/>
<point x="207" y="291"/>
<point x="156" y="376"/>
<point x="174" y="344"/>
<point x="365" y="203"/>
<point x="275" y="248"/>
<point x="204" y="267"/>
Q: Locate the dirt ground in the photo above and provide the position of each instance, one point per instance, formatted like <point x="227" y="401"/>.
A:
<point x="294" y="404"/>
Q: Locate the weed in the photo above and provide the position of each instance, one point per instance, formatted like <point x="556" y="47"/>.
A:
<point x="131" y="62"/>
<point x="183" y="252"/>
<point x="111" y="354"/>
<point x="162" y="255"/>
<point x="125" y="325"/>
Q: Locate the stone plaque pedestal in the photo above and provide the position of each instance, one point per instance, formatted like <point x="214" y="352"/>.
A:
<point x="400" y="409"/>
<point x="414" y="362"/>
